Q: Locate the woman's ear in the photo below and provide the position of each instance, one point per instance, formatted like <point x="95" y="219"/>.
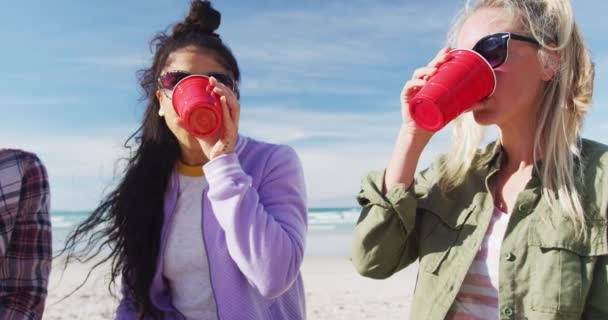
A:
<point x="550" y="64"/>
<point x="159" y="96"/>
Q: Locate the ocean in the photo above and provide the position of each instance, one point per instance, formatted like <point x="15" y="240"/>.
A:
<point x="320" y="220"/>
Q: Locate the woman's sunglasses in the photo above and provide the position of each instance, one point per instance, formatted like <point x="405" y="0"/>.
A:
<point x="169" y="80"/>
<point x="495" y="47"/>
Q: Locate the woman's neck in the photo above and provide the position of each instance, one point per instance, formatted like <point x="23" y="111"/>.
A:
<point x="193" y="158"/>
<point x="518" y="145"/>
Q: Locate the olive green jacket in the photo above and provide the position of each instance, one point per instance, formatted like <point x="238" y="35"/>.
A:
<point x="546" y="272"/>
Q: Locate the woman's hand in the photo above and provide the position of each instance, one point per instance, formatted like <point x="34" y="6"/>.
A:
<point x="413" y="86"/>
<point x="412" y="139"/>
<point x="226" y="142"/>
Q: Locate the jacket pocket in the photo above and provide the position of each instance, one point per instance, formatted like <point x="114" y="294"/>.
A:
<point x="441" y="224"/>
<point x="559" y="276"/>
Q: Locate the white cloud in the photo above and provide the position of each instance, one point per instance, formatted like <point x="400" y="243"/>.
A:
<point x="299" y="45"/>
<point x="347" y="146"/>
<point x="42" y="101"/>
<point x="601" y="65"/>
<point x="334" y="172"/>
<point x="79" y="167"/>
<point x="127" y="61"/>
<point x="597" y="132"/>
<point x="289" y="125"/>
<point x="279" y="85"/>
<point x="326" y="51"/>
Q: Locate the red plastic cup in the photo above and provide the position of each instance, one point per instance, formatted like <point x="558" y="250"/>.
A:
<point x="463" y="80"/>
<point x="198" y="106"/>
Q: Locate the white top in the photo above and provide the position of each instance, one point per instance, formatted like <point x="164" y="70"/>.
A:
<point x="185" y="263"/>
<point x="478" y="296"/>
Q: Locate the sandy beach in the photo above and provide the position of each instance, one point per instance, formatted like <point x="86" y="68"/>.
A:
<point x="334" y="290"/>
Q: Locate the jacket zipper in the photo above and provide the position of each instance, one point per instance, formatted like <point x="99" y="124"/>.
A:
<point x="217" y="308"/>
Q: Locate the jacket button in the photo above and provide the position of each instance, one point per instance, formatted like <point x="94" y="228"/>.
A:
<point x="525" y="208"/>
<point x="509" y="256"/>
<point x="508" y="311"/>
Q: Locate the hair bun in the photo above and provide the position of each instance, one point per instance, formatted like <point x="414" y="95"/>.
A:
<point x="202" y="18"/>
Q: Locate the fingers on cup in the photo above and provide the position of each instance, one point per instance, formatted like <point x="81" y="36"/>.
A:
<point x="222" y="89"/>
<point x="424" y="73"/>
<point x="440" y="57"/>
<point x="231" y="100"/>
<point x="228" y="119"/>
<point x="414" y="84"/>
<point x="219" y="90"/>
<point x="411" y="88"/>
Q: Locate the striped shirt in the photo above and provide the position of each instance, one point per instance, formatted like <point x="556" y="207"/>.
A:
<point x="478" y="296"/>
<point x="25" y="235"/>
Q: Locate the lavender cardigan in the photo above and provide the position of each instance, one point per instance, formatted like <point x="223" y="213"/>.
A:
<point x="254" y="228"/>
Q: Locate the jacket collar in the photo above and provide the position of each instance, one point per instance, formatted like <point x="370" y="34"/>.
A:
<point x="493" y="155"/>
<point x="241" y="142"/>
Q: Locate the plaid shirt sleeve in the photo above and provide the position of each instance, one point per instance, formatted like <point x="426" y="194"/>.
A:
<point x="25" y="235"/>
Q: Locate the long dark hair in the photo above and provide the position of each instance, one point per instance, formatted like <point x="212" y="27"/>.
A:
<point x="129" y="219"/>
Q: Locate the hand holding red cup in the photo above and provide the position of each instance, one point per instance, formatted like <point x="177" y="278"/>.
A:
<point x="198" y="106"/>
<point x="464" y="79"/>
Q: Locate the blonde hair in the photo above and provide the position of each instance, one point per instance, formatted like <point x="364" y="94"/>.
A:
<point x="565" y="101"/>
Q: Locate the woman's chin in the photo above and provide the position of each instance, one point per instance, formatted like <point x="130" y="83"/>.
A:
<point x="188" y="142"/>
<point x="483" y="117"/>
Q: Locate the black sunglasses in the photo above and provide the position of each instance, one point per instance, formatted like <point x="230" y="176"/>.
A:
<point x="169" y="80"/>
<point x="495" y="47"/>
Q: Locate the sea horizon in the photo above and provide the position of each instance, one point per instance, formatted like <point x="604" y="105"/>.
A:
<point x="338" y="219"/>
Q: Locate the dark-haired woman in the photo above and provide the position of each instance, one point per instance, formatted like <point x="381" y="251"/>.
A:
<point x="202" y="228"/>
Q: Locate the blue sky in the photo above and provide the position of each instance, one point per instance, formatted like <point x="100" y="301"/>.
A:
<point x="321" y="76"/>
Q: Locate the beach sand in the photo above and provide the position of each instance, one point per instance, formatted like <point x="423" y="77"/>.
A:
<point x="334" y="290"/>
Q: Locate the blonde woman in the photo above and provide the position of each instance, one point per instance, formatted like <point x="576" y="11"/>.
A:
<point x="516" y="229"/>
